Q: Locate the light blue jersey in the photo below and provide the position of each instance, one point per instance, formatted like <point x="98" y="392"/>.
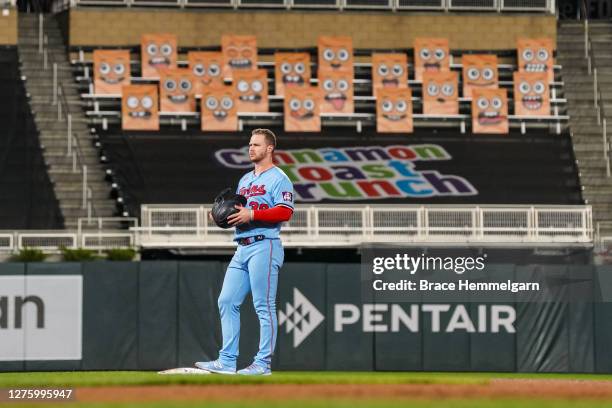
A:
<point x="266" y="190"/>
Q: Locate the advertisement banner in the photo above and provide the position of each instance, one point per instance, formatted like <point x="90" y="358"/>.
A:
<point x="479" y="72"/>
<point x="251" y="88"/>
<point x="41" y="317"/>
<point x="139" y="107"/>
<point x="219" y="109"/>
<point x="291" y="69"/>
<point x="335" y="54"/>
<point x="490" y="111"/>
<point x="239" y="53"/>
<point x="441" y="93"/>
<point x="430" y="55"/>
<point x="157" y="51"/>
<point x="206" y="68"/>
<point x="531" y="94"/>
<point x="389" y="71"/>
<point x="111" y="71"/>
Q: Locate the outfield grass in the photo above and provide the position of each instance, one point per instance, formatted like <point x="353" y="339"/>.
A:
<point x="105" y="378"/>
<point x="451" y="403"/>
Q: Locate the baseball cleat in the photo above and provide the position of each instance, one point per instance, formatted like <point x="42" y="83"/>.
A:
<point x="255" y="369"/>
<point x="215" y="367"/>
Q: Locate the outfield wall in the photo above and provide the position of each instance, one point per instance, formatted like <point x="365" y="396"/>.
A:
<point x="155" y="315"/>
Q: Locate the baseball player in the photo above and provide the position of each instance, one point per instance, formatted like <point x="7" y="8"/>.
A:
<point x="255" y="265"/>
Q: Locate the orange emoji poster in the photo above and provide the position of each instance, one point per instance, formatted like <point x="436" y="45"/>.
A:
<point x="302" y="107"/>
<point x="440" y="93"/>
<point x="239" y="53"/>
<point x="389" y="71"/>
<point x="337" y="91"/>
<point x="251" y="87"/>
<point x="531" y="94"/>
<point x="291" y="69"/>
<point x="157" y="51"/>
<point x="176" y="90"/>
<point x="536" y="55"/>
<point x="206" y="68"/>
<point x="430" y="55"/>
<point x="394" y="111"/>
<point x="335" y="54"/>
<point x="111" y="71"/>
<point x="139" y="107"/>
<point x="219" y="109"/>
<point x="479" y="72"/>
<point x="490" y="111"/>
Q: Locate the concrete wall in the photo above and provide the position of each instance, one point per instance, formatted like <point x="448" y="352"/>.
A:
<point x="301" y="28"/>
<point x="8" y="28"/>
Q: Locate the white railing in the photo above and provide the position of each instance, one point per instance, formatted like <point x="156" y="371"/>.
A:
<point x="547" y="6"/>
<point x="351" y="225"/>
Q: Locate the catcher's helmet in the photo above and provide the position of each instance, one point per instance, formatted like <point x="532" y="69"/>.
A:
<point x="224" y="206"/>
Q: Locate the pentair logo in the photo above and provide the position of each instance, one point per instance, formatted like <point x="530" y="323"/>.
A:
<point x="301" y="317"/>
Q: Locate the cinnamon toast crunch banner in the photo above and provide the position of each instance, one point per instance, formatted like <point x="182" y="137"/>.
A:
<point x="111" y="71"/>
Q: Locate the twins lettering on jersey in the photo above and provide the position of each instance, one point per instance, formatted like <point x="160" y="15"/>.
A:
<point x="253" y="191"/>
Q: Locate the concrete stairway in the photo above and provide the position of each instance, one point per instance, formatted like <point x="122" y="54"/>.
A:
<point x="53" y="133"/>
<point x="587" y="134"/>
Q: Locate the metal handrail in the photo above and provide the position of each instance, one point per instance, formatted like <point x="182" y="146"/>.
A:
<point x="73" y="148"/>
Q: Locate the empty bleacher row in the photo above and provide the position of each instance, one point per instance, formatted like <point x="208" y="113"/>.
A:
<point x="358" y="107"/>
<point x="27" y="200"/>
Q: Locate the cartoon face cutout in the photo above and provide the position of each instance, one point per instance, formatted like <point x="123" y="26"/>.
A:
<point x="394" y="111"/>
<point x="206" y="68"/>
<point x="389" y="71"/>
<point x="302" y="109"/>
<point x="431" y="55"/>
<point x="252" y="90"/>
<point x="219" y="109"/>
<point x="139" y="107"/>
<point x="337" y="91"/>
<point x="239" y="53"/>
<point x="111" y="71"/>
<point x="531" y="94"/>
<point x="176" y="90"/>
<point x="536" y="55"/>
<point x="440" y="93"/>
<point x="479" y="72"/>
<point x="291" y="69"/>
<point x="335" y="54"/>
<point x="489" y="111"/>
<point x="157" y="51"/>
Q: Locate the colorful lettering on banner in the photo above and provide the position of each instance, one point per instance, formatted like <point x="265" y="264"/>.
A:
<point x="291" y="69"/>
<point x="302" y="109"/>
<point x="239" y="53"/>
<point x="479" y="72"/>
<point x="157" y="51"/>
<point x="252" y="90"/>
<point x="139" y="107"/>
<point x="490" y="111"/>
<point x="111" y="71"/>
<point x="335" y="54"/>
<point x="536" y="55"/>
<point x="219" y="109"/>
<point x="389" y="71"/>
<point x="394" y="111"/>
<point x="176" y="90"/>
<point x="441" y="93"/>
<point x="337" y="90"/>
<point x="531" y="94"/>
<point x="430" y="55"/>
<point x="206" y="68"/>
